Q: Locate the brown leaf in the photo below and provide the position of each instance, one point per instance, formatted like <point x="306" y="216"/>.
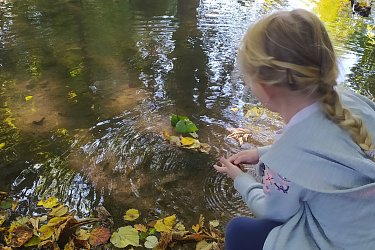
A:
<point x="140" y="228"/>
<point x="17" y="236"/>
<point x="164" y="241"/>
<point x="99" y="236"/>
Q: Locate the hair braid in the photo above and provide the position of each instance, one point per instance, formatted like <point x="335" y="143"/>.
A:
<point x="334" y="110"/>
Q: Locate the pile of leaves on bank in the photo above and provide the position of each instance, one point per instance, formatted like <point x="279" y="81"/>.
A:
<point x="184" y="134"/>
<point x="59" y="228"/>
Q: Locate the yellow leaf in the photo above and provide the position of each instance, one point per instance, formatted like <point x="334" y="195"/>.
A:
<point x="49" y="203"/>
<point x="82" y="234"/>
<point x="131" y="214"/>
<point x="59" y="211"/>
<point x="186" y="141"/>
<point x="166" y="224"/>
<point x="166" y="135"/>
<point x="234" y="109"/>
<point x="2" y="145"/>
<point x="56" y="221"/>
<point x="45" y="232"/>
<point x="180" y="227"/>
<point x="196" y="228"/>
<point x="72" y="94"/>
<point x="140" y="228"/>
<point x="28" y="98"/>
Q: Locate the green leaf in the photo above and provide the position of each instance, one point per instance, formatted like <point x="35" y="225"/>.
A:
<point x="151" y="242"/>
<point x="125" y="236"/>
<point x="186" y="126"/>
<point x="177" y="118"/>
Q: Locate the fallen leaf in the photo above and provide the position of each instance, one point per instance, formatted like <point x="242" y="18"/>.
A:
<point x="45" y="232"/>
<point x="99" y="236"/>
<point x="4" y="215"/>
<point x="59" y="211"/>
<point x="186" y="126"/>
<point x="166" y="224"/>
<point x="131" y="215"/>
<point x="2" y="145"/>
<point x="82" y="234"/>
<point x="34" y="241"/>
<point x="151" y="242"/>
<point x="164" y="241"/>
<point x="204" y="245"/>
<point x="55" y="221"/>
<point x="196" y="228"/>
<point x="125" y="236"/>
<point x="28" y="98"/>
<point x="140" y="228"/>
<point x="234" y="109"/>
<point x="214" y="223"/>
<point x="18" y="236"/>
<point x="187" y="141"/>
<point x="49" y="203"/>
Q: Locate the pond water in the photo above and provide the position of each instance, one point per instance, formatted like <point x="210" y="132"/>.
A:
<point x="87" y="87"/>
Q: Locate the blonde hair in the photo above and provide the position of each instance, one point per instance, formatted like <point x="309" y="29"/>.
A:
<point x="292" y="48"/>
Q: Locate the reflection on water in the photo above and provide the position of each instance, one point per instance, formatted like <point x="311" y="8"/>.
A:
<point x="88" y="86"/>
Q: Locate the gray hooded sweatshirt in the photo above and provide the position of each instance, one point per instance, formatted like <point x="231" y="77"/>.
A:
<point x="318" y="182"/>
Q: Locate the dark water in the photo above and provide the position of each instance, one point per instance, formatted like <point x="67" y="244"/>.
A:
<point x="87" y="88"/>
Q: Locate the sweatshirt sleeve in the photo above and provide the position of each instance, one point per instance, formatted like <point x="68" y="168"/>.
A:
<point x="275" y="199"/>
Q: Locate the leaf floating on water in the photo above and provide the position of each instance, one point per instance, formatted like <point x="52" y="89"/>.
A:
<point x="124" y="237"/>
<point x="49" y="203"/>
<point x="131" y="215"/>
<point x="28" y="98"/>
<point x="214" y="223"/>
<point x="151" y="242"/>
<point x="176" y="118"/>
<point x="99" y="236"/>
<point x="166" y="224"/>
<point x="186" y="126"/>
<point x="187" y="141"/>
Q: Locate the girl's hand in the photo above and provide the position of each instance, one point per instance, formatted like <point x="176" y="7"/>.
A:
<point x="250" y="156"/>
<point x="228" y="168"/>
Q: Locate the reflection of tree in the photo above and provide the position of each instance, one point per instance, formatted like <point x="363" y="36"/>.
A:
<point x="188" y="78"/>
<point x="362" y="76"/>
<point x="336" y="16"/>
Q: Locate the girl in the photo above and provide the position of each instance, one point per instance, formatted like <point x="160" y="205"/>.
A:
<point x="318" y="188"/>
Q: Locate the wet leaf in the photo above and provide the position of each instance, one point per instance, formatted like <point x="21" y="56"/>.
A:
<point x="187" y="141"/>
<point x="4" y="215"/>
<point x="140" y="228"/>
<point x="214" y="223"/>
<point x="131" y="215"/>
<point x="180" y="227"/>
<point x="125" y="236"/>
<point x="59" y="211"/>
<point x="82" y="234"/>
<point x="34" y="241"/>
<point x="196" y="228"/>
<point x="99" y="236"/>
<point x="45" y="232"/>
<point x="6" y="204"/>
<point x="18" y="236"/>
<point x="204" y="245"/>
<point x="70" y="245"/>
<point x="2" y="145"/>
<point x="166" y="224"/>
<point x="186" y="126"/>
<point x="28" y="98"/>
<point x="176" y="118"/>
<point x="56" y="221"/>
<point x="164" y="241"/>
<point x="49" y="203"/>
<point x="151" y="242"/>
<point x="234" y="109"/>
<point x="175" y="140"/>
